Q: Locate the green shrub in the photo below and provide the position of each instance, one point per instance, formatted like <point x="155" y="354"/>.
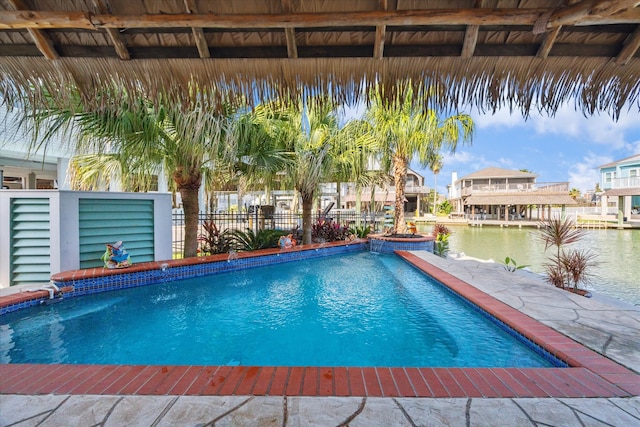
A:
<point x="250" y="241"/>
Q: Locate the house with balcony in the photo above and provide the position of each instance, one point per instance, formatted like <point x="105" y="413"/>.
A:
<point x="620" y="181"/>
<point x="506" y="195"/>
<point x="385" y="195"/>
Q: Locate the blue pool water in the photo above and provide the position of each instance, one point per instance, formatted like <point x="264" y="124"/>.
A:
<point x="359" y="309"/>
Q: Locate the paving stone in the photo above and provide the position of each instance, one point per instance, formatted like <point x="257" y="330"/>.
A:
<point x="548" y="412"/>
<point x="629" y="405"/>
<point x="435" y="412"/>
<point x="310" y="411"/>
<point x="601" y="410"/>
<point x="379" y="411"/>
<point x="138" y="410"/>
<point x="194" y="410"/>
<point x="591" y="321"/>
<point x="264" y="411"/>
<point x="492" y="412"/>
<point x="84" y="410"/>
<point x="14" y="408"/>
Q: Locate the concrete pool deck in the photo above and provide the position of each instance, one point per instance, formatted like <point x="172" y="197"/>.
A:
<point x="610" y="328"/>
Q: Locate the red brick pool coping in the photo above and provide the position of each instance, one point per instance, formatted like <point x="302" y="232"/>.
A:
<point x="589" y="375"/>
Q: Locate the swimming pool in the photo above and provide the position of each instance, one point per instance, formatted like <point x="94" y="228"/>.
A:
<point x="357" y="309"/>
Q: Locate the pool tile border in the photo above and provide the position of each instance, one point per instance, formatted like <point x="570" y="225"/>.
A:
<point x="75" y="283"/>
<point x="589" y="375"/>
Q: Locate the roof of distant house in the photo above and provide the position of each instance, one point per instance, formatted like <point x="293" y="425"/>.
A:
<point x="493" y="172"/>
<point x="631" y="159"/>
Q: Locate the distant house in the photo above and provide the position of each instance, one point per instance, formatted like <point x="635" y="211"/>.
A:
<point x="385" y="195"/>
<point x="620" y="181"/>
<point x="503" y="194"/>
<point x="21" y="170"/>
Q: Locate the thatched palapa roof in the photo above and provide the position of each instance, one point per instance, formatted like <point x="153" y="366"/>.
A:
<point x="522" y="54"/>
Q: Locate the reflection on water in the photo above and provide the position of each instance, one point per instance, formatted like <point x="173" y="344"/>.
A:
<point x="618" y="254"/>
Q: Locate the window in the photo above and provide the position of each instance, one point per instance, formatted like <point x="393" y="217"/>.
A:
<point x="607" y="177"/>
<point x="633" y="173"/>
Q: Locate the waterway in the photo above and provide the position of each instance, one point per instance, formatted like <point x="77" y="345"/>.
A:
<point x="617" y="273"/>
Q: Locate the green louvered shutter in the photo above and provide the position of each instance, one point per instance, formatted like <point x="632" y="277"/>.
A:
<point x="30" y="241"/>
<point x="103" y="221"/>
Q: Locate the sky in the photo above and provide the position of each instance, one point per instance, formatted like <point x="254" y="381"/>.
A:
<point x="568" y="147"/>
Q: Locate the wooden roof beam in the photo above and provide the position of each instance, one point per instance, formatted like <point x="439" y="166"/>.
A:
<point x="550" y="37"/>
<point x="116" y="39"/>
<point x="381" y="30"/>
<point x="40" y="39"/>
<point x="630" y="48"/>
<point x="290" y="32"/>
<point x="470" y="41"/>
<point x="506" y="17"/>
<point x="198" y="33"/>
<point x="575" y="14"/>
<point x="471" y="36"/>
<point x="547" y="44"/>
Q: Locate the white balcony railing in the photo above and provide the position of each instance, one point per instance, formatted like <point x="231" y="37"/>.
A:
<point x="625" y="182"/>
<point x="537" y="187"/>
<point x="408" y="189"/>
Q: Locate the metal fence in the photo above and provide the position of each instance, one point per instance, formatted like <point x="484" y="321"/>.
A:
<point x="258" y="220"/>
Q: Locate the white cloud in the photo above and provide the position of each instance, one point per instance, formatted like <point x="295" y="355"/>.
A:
<point x="459" y="157"/>
<point x="500" y="119"/>
<point x="584" y="175"/>
<point x="505" y="163"/>
<point x="599" y="129"/>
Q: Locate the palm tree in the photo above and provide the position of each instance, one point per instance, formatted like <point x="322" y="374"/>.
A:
<point x="137" y="140"/>
<point x="435" y="164"/>
<point x="318" y="149"/>
<point x="574" y="193"/>
<point x="405" y="128"/>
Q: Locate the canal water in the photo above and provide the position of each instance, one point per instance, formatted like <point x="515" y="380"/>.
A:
<point x="618" y="254"/>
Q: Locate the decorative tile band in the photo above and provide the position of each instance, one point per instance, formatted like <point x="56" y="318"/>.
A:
<point x="86" y="282"/>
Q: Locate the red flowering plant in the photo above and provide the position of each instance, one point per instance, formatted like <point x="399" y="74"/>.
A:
<point x="325" y="230"/>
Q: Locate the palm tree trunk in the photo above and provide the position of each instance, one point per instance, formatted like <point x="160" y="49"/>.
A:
<point x="399" y="177"/>
<point x="358" y="205"/>
<point x="189" y="187"/>
<point x="191" y="208"/>
<point x="307" y="205"/>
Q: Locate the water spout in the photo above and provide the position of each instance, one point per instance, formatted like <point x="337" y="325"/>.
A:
<point x="232" y="255"/>
<point x="376" y="246"/>
<point x="51" y="288"/>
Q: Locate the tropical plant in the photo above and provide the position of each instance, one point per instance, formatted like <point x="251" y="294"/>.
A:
<point x="360" y="231"/>
<point x="213" y="240"/>
<point x="577" y="264"/>
<point x="250" y="241"/>
<point x="566" y="269"/>
<point x="435" y="164"/>
<point x="135" y="141"/>
<point x="574" y="193"/>
<point x="511" y="265"/>
<point x="445" y="207"/>
<point x="405" y="128"/>
<point x="441" y="242"/>
<point x="318" y="149"/>
<point x="558" y="232"/>
<point x="329" y="231"/>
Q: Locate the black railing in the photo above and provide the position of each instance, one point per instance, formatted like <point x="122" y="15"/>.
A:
<point x="259" y="220"/>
